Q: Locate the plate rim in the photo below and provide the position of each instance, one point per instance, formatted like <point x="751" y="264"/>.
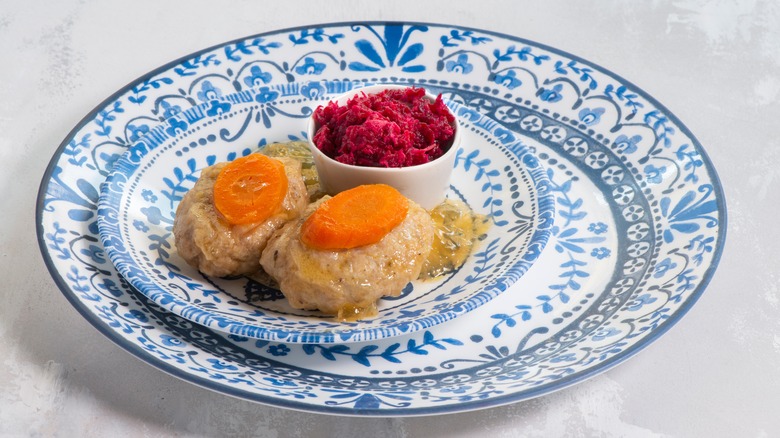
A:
<point x="661" y="329"/>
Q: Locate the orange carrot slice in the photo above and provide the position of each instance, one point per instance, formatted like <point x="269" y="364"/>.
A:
<point x="250" y="189"/>
<point x="355" y="217"/>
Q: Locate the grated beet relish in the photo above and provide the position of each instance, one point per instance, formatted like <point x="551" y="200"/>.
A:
<point x="393" y="128"/>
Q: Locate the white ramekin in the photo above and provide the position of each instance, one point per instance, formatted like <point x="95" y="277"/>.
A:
<point x="426" y="184"/>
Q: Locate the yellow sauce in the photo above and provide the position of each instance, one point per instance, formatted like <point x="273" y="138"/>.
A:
<point x="458" y="228"/>
<point x="350" y="313"/>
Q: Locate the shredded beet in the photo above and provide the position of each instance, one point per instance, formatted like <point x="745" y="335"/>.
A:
<point x="393" y="128"/>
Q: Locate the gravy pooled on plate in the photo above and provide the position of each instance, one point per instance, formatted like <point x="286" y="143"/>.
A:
<point x="457" y="229"/>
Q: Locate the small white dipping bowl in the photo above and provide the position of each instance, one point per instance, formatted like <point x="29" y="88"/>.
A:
<point x="426" y="184"/>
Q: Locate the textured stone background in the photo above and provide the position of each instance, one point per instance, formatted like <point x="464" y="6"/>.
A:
<point x="715" y="64"/>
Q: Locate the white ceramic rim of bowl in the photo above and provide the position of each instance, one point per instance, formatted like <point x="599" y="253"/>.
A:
<point x="418" y="183"/>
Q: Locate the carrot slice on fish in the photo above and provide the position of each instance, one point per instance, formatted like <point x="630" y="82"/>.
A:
<point x="250" y="189"/>
<point x="355" y="217"/>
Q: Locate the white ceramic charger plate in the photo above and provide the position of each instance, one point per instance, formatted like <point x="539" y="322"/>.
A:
<point x="639" y="228"/>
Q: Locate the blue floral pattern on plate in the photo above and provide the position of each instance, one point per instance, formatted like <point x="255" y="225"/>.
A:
<point x="639" y="228"/>
<point x="494" y="173"/>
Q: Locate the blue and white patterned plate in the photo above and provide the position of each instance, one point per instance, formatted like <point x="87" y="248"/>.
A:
<point x="639" y="225"/>
<point x="494" y="173"/>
